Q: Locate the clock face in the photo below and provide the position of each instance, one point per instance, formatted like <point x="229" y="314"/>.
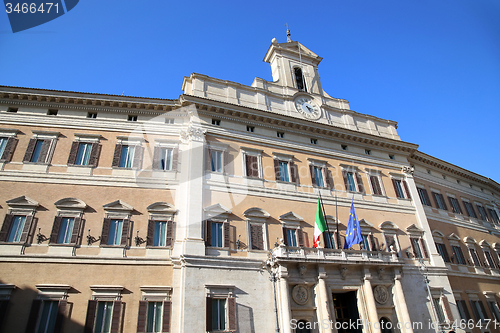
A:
<point x="307" y="107"/>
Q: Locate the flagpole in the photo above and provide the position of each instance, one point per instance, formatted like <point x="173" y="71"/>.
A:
<point x="324" y="215"/>
<point x="337" y="219"/>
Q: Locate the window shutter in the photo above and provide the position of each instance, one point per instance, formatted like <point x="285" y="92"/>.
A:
<point x="9" y="149"/>
<point x="6" y="227"/>
<point x="450" y="200"/>
<point x="372" y="243"/>
<point x="138" y="153"/>
<point x="105" y="231"/>
<point x="256" y="237"/>
<point x="29" y="226"/>
<point x="376" y="185"/>
<point x="407" y="189"/>
<point x="167" y="305"/>
<point x="377" y="245"/>
<point x="426" y="196"/>
<point x="77" y="228"/>
<point x="175" y="159"/>
<point x="285" y="238"/>
<point x="208" y="228"/>
<point x="170" y="233"/>
<point x="73" y="152"/>
<point x="446" y="306"/>
<point x="466" y="310"/>
<point x="44" y="152"/>
<point x="156" y="158"/>
<point x="225" y="157"/>
<point x="231" y="309"/>
<point x="481" y="305"/>
<point x="294" y="171"/>
<point x="300" y="237"/>
<point x="248" y="165"/>
<point x="277" y="169"/>
<point x="329" y="178"/>
<point x="361" y="187"/>
<point x="227" y="242"/>
<point x="61" y="314"/>
<point x="435" y="196"/>
<point x="208" y="160"/>
<point x="142" y="317"/>
<point x="151" y="233"/>
<point x="117" y="155"/>
<point x="444" y="202"/>
<point x="346" y="183"/>
<point x="116" y="317"/>
<point x="395" y="187"/>
<point x="412" y="242"/>
<point x="55" y="229"/>
<point x="209" y="315"/>
<point x="4" y="306"/>
<point x="29" y="150"/>
<point x="424" y="248"/>
<point x="32" y="318"/>
<point x="94" y="154"/>
<point x="313" y="176"/>
<point x="89" y="320"/>
<point x="125" y="233"/>
<point x="252" y="166"/>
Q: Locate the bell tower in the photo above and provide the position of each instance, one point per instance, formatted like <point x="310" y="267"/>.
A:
<point x="294" y="66"/>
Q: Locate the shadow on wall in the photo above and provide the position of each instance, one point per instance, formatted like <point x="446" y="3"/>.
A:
<point x="23" y="310"/>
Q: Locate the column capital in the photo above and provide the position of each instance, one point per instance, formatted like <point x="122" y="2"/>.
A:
<point x="367" y="276"/>
<point x="322" y="272"/>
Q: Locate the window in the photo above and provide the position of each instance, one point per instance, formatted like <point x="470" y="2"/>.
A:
<point x="132" y="117"/>
<point x="52" y="112"/>
<point x="470" y="209"/>
<point x="344" y="147"/>
<point x="401" y="189"/>
<point x="482" y="212"/>
<point x="12" y="110"/>
<point x="368" y="243"/>
<point x="154" y="310"/>
<point x="83" y="154"/>
<point x="424" y="197"/>
<point x="16" y="229"/>
<point x="221" y="314"/>
<point x="285" y="170"/>
<point x="489" y="259"/>
<point x="252" y="164"/>
<point x="458" y="255"/>
<point x="46" y="315"/>
<point x="375" y="184"/>
<point x="250" y="129"/>
<point x="494" y="310"/>
<point x="257" y="236"/>
<point x="299" y="79"/>
<point x="439" y="200"/>
<point x="330" y="239"/>
<point x="494" y="216"/>
<point x="7" y="146"/>
<point x="216" y="122"/>
<point x="478" y="309"/>
<point x="92" y="115"/>
<point x="216" y="160"/>
<point x="218" y="314"/>
<point x="319" y="176"/>
<point x="165" y="158"/>
<point x="293" y="237"/>
<point x="217" y="234"/>
<point x="439" y="309"/>
<point x="115" y="232"/>
<point x="368" y="152"/>
<point x="391" y="242"/>
<point x="391" y="156"/>
<point x="455" y="205"/>
<point x="463" y="310"/>
<point x="66" y="225"/>
<point x="443" y="252"/>
<point x="280" y="135"/>
<point x="475" y="258"/>
<point x="353" y="181"/>
<point x="160" y="233"/>
<point x="418" y="247"/>
<point x="314" y="141"/>
<point x="169" y="121"/>
<point x="103" y="316"/>
<point x="85" y="150"/>
<point x="128" y="156"/>
<point x="39" y="150"/>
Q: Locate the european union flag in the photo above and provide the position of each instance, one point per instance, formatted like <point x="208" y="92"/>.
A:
<point x="353" y="232"/>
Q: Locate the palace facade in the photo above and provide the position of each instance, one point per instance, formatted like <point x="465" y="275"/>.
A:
<point x="196" y="214"/>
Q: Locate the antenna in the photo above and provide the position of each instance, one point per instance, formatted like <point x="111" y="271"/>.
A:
<point x="288" y="35"/>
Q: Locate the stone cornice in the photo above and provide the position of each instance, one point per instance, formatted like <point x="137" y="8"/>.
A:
<point x="236" y="112"/>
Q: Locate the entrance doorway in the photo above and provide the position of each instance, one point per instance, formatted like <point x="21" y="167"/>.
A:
<point x="303" y="327"/>
<point x="346" y="312"/>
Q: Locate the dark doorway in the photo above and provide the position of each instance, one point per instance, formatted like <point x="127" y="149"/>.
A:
<point x="385" y="325"/>
<point x="303" y="327"/>
<point x="346" y="312"/>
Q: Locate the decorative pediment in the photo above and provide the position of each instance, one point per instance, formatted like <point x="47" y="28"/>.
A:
<point x="291" y="218"/>
<point x="217" y="212"/>
<point x="484" y="243"/>
<point x="469" y="240"/>
<point x="256" y="213"/>
<point x="22" y="202"/>
<point x="161" y="208"/>
<point x="70" y="203"/>
<point x="118" y="205"/>
<point x="365" y="225"/>
<point x="496" y="246"/>
<point x="437" y="234"/>
<point x="389" y="226"/>
<point x="414" y="230"/>
<point x="452" y="236"/>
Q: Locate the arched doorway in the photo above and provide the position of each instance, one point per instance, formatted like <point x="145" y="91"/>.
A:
<point x="385" y="325"/>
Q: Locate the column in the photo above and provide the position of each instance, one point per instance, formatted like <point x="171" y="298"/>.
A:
<point x="400" y="303"/>
<point x="285" y="308"/>
<point x="323" y="309"/>
<point x="370" y="303"/>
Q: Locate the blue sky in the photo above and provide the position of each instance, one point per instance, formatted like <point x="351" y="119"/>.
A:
<point x="431" y="65"/>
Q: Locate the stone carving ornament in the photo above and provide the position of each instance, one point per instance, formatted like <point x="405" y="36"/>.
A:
<point x="381" y="294"/>
<point x="300" y="294"/>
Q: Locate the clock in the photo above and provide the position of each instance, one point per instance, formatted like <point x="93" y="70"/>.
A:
<point x="307" y="107"/>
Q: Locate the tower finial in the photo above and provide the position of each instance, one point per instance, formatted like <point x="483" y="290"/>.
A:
<point x="288" y="38"/>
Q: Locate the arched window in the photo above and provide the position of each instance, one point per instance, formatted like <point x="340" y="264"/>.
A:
<point x="303" y="326"/>
<point x="299" y="78"/>
<point x="385" y="325"/>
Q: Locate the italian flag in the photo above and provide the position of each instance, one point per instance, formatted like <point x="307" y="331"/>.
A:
<point x="319" y="225"/>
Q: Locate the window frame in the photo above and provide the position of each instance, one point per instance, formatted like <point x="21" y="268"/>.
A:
<point x="424" y="196"/>
<point x="104" y="294"/>
<point x="455" y="205"/>
<point x="48" y="141"/>
<point x="439" y="200"/>
<point x="11" y="140"/>
<point x="292" y="174"/>
<point x="320" y="167"/>
<point x="21" y="206"/>
<point x="159" y="148"/>
<point x="250" y="158"/>
<point x="357" y="181"/>
<point x="469" y="208"/>
<point x="138" y="153"/>
<point x="154" y="294"/>
<point x="226" y="293"/>
<point x="375" y="180"/>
